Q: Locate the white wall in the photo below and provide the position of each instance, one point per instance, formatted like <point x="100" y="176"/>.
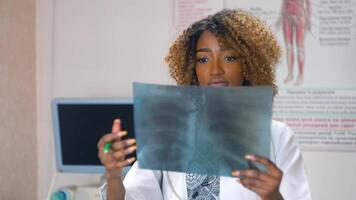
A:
<point x="97" y="48"/>
<point x="94" y="49"/>
<point x="332" y="175"/>
<point x="101" y="47"/>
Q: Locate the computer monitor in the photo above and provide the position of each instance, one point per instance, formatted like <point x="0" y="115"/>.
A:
<point x="78" y="126"/>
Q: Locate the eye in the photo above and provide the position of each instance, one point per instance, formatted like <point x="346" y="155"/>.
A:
<point x="231" y="58"/>
<point x="202" y="60"/>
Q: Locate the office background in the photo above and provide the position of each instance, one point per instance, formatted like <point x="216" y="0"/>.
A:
<point x="52" y="48"/>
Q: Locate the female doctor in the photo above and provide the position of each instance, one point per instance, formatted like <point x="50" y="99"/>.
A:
<point x="230" y="48"/>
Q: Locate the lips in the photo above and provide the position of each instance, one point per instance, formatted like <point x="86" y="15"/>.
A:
<point x="218" y="83"/>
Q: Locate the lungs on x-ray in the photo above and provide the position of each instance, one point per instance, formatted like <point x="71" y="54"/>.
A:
<point x="203" y="130"/>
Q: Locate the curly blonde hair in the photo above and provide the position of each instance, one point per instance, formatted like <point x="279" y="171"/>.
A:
<point x="237" y="29"/>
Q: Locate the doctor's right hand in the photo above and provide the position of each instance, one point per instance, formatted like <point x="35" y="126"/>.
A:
<point x="115" y="159"/>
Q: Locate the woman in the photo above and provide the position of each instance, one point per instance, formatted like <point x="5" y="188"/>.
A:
<point x="229" y="48"/>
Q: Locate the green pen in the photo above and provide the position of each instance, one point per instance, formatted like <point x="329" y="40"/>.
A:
<point x="107" y="147"/>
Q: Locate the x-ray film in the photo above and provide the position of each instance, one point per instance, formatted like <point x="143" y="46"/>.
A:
<point x="204" y="130"/>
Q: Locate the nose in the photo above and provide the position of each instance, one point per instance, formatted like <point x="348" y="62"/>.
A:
<point x="216" y="68"/>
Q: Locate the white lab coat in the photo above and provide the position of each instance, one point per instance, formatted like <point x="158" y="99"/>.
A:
<point x="142" y="184"/>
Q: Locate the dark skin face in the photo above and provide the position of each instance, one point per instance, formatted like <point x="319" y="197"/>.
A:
<point x="216" y="66"/>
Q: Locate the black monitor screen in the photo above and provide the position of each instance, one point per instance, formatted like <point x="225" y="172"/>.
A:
<point x="82" y="125"/>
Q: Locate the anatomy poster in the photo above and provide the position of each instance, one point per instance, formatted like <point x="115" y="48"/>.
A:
<point x="188" y="11"/>
<point x="316" y="75"/>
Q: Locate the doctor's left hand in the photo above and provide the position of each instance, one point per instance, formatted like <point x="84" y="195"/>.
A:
<point x="265" y="184"/>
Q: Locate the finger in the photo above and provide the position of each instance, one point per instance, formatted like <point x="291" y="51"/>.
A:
<point x="130" y="150"/>
<point x="105" y="139"/>
<point x="119" y="135"/>
<point x="116" y="126"/>
<point x="255" y="183"/>
<point x="271" y="167"/>
<point x="252" y="174"/>
<point x="268" y="182"/>
<point x="119" y="155"/>
<point x="115" y="138"/>
<point x="125" y="162"/>
<point x="103" y="152"/>
<point x="110" y="161"/>
<point x="106" y="159"/>
<point x="119" y="145"/>
<point x="100" y="153"/>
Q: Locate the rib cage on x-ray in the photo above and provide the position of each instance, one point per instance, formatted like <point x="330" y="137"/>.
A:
<point x="199" y="129"/>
